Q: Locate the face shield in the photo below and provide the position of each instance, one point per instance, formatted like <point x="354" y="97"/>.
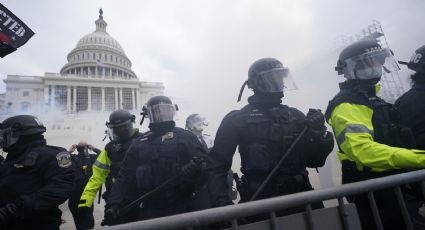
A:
<point x="121" y="131"/>
<point x="8" y="137"/>
<point x="274" y="80"/>
<point x="369" y="65"/>
<point x="197" y="123"/>
<point x="161" y="113"/>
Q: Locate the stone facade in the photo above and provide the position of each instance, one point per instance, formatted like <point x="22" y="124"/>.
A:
<point x="97" y="78"/>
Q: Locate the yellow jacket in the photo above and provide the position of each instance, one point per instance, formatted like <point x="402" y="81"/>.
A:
<point x="101" y="169"/>
<point x="353" y="129"/>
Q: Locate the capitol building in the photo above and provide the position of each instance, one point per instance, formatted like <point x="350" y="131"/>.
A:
<point x="97" y="78"/>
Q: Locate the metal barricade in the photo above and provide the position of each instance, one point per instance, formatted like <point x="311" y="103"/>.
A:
<point x="346" y="213"/>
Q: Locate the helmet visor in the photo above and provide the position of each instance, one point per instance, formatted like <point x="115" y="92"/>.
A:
<point x="370" y="65"/>
<point x="8" y="138"/>
<point x="275" y="80"/>
<point x="161" y="113"/>
<point x="121" y="132"/>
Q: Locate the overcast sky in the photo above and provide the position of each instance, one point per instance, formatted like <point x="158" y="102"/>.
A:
<point x="201" y="50"/>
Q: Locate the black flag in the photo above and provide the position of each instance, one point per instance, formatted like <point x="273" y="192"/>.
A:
<point x="13" y="32"/>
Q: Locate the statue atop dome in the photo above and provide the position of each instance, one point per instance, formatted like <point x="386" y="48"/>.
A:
<point x="100" y="23"/>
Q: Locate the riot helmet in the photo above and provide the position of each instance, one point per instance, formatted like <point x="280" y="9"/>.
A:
<point x="195" y="123"/>
<point x="266" y="75"/>
<point x="14" y="128"/>
<point x="417" y="61"/>
<point x="364" y="61"/>
<point x="159" y="109"/>
<point x="121" y="124"/>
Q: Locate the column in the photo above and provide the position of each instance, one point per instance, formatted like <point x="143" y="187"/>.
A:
<point x="89" y="98"/>
<point x="116" y="98"/>
<point x="68" y="98"/>
<point x="133" y="98"/>
<point x="138" y="101"/>
<point x="103" y="99"/>
<point x="52" y="98"/>
<point x="46" y="97"/>
<point x="95" y="71"/>
<point x="75" y="100"/>
<point x="121" y="106"/>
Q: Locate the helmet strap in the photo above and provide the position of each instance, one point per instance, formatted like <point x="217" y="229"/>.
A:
<point x="241" y="91"/>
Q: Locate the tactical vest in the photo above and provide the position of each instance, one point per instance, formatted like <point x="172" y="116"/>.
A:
<point x="265" y="135"/>
<point x="116" y="151"/>
<point x="161" y="158"/>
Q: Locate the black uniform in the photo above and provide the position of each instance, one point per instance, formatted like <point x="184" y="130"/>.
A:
<point x="411" y="109"/>
<point x="37" y="178"/>
<point x="263" y="134"/>
<point x="82" y="165"/>
<point x="151" y="161"/>
<point x="116" y="152"/>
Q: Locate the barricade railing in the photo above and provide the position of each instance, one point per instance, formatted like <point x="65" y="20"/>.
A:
<point x="232" y="212"/>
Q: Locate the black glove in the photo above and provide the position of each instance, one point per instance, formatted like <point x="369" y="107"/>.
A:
<point x="194" y="168"/>
<point x="111" y="216"/>
<point x="85" y="217"/>
<point x="315" y="119"/>
<point x="9" y="213"/>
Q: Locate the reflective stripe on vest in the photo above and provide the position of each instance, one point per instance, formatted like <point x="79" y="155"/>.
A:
<point x="352" y="128"/>
<point x="101" y="165"/>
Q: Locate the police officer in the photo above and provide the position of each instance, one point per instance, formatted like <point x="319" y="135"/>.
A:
<point x="35" y="178"/>
<point x="411" y="105"/>
<point x="195" y="124"/>
<point x="365" y="130"/>
<point x="264" y="129"/>
<point x="167" y="159"/>
<point x="82" y="164"/>
<point x="108" y="163"/>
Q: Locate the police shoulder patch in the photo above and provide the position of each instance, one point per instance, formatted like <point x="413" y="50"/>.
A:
<point x="64" y="159"/>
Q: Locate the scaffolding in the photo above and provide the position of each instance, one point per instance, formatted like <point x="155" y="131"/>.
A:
<point x="391" y="84"/>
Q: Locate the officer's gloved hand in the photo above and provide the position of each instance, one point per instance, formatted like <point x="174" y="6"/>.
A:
<point x="194" y="168"/>
<point x="9" y="213"/>
<point x="315" y="120"/>
<point x="111" y="216"/>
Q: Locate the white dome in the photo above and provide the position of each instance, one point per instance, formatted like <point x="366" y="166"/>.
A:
<point x="98" y="54"/>
<point x="99" y="38"/>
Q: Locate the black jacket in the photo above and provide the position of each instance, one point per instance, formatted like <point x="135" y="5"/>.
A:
<point x="411" y="109"/>
<point x="39" y="177"/>
<point x="149" y="162"/>
<point x="263" y="135"/>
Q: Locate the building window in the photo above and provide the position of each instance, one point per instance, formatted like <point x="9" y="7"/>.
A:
<point x="82" y="98"/>
<point x="25" y="93"/>
<point x="94" y="56"/>
<point x="61" y="94"/>
<point x="110" y="58"/>
<point x="85" y="71"/>
<point x="107" y="71"/>
<point x="100" y="71"/>
<point x="109" y="99"/>
<point x="96" y="98"/>
<point x="127" y="99"/>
